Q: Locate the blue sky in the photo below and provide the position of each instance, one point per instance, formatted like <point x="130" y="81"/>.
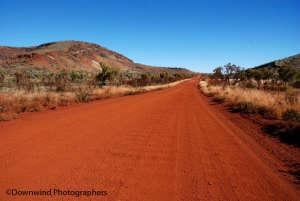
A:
<point x="195" y="34"/>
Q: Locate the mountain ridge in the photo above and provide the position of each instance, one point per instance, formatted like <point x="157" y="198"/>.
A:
<point x="291" y="61"/>
<point x="71" y="55"/>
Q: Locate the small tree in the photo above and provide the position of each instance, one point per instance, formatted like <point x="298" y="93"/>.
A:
<point x="240" y="74"/>
<point x="218" y="73"/>
<point x="266" y="74"/>
<point x="106" y="74"/>
<point x="287" y="74"/>
<point x="230" y="71"/>
<point x="217" y="76"/>
<point x="255" y="74"/>
<point x="274" y="78"/>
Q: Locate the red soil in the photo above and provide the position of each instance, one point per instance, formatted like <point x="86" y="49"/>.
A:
<point x="162" y="145"/>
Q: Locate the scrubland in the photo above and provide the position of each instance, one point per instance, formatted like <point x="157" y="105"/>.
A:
<point x="14" y="102"/>
<point x="269" y="104"/>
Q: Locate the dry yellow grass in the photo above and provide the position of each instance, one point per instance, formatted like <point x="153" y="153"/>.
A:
<point x="275" y="102"/>
<point x="16" y="102"/>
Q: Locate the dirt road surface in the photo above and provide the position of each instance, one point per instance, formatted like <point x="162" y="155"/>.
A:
<point x="159" y="146"/>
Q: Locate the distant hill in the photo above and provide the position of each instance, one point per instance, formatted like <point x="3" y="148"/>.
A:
<point x="71" y="55"/>
<point x="292" y="61"/>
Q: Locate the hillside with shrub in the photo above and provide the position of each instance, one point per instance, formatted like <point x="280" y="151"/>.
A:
<point x="61" y="73"/>
<point x="292" y="61"/>
<point x="70" y="55"/>
<point x="60" y="65"/>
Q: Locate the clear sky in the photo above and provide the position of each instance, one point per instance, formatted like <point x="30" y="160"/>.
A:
<point x="195" y="34"/>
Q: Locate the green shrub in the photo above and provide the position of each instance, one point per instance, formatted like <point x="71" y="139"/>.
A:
<point x="106" y="74"/>
<point x="291" y="115"/>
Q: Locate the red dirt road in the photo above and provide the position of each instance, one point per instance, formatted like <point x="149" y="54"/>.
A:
<point x="160" y="146"/>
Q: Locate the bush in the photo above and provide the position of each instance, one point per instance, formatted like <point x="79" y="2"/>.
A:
<point x="244" y="107"/>
<point x="266" y="112"/>
<point x="23" y="80"/>
<point x="62" y="80"/>
<point x="2" y="76"/>
<point x="291" y="115"/>
<point x="65" y="100"/>
<point x="250" y="85"/>
<point x="49" y="101"/>
<point x="145" y="79"/>
<point x="106" y="74"/>
<point x="164" y="77"/>
<point x="210" y="94"/>
<point x="48" y="79"/>
<point x="78" y="76"/>
<point x="219" y="99"/>
<point x="83" y="95"/>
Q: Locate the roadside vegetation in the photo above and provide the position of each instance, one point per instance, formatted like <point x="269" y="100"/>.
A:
<point x="270" y="93"/>
<point x="36" y="90"/>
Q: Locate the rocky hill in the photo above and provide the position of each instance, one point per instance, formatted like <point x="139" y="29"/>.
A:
<point x="70" y="55"/>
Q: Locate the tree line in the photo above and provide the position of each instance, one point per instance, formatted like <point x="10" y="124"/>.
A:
<point x="274" y="78"/>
